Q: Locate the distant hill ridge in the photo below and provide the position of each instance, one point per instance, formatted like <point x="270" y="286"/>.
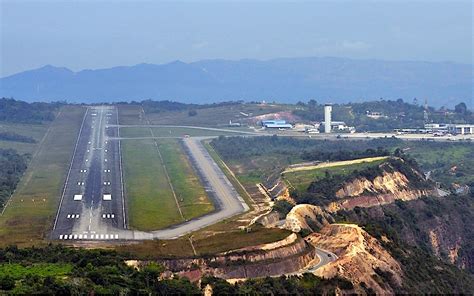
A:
<point x="284" y="80"/>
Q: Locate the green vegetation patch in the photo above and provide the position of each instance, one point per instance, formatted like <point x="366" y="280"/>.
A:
<point x="30" y="214"/>
<point x="18" y="271"/>
<point x="28" y="136"/>
<point x="302" y="179"/>
<point x="130" y="114"/>
<point x="135" y="132"/>
<point x="151" y="204"/>
<point x="184" y="131"/>
<point x="211" y="115"/>
<point x="191" y="195"/>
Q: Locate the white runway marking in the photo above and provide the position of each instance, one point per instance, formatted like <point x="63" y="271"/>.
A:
<point x="60" y="236"/>
<point x="107" y="197"/>
<point x="78" y="197"/>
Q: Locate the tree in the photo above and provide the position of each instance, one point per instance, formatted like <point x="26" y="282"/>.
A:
<point x="312" y="104"/>
<point x="7" y="282"/>
<point x="460" y="108"/>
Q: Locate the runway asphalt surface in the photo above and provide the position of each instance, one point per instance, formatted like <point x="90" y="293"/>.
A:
<point x="92" y="203"/>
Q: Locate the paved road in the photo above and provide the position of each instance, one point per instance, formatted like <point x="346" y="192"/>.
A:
<point x="325" y="257"/>
<point x="92" y="205"/>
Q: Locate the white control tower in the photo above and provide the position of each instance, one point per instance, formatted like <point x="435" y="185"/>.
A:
<point x="327" y="118"/>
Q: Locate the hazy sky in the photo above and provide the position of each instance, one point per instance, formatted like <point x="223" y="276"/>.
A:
<point x="92" y="34"/>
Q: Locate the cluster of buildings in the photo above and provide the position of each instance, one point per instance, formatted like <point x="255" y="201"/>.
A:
<point x="326" y="126"/>
<point x="441" y="129"/>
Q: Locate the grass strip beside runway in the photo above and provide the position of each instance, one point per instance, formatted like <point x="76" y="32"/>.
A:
<point x="151" y="204"/>
<point x="191" y="195"/>
<point x="28" y="218"/>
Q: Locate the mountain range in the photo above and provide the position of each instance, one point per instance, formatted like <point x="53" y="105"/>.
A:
<point x="288" y="80"/>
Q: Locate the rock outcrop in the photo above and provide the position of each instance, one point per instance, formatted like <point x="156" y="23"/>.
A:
<point x="387" y="187"/>
<point x="361" y="258"/>
<point x="307" y="217"/>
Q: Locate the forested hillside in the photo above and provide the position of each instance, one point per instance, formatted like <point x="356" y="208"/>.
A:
<point x="22" y="112"/>
<point x="12" y="167"/>
<point x="59" y="270"/>
<point x="393" y="114"/>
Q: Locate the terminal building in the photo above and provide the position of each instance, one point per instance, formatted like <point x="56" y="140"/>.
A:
<point x="280" y="124"/>
<point x="461" y="129"/>
<point x="441" y="128"/>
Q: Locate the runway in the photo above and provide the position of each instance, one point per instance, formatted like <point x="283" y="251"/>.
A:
<point x="92" y="203"/>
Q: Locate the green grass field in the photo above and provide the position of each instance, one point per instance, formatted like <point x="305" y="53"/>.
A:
<point x="29" y="217"/>
<point x="300" y="180"/>
<point x="36" y="131"/>
<point x="223" y="239"/>
<point x="138" y="132"/>
<point x="130" y="114"/>
<point x="182" y="131"/>
<point x="213" y="116"/>
<point x="135" y="132"/>
<point x="18" y="271"/>
<point x="191" y="195"/>
<point x="151" y="202"/>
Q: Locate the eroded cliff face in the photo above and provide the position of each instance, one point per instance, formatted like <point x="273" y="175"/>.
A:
<point x="285" y="256"/>
<point x="307" y="217"/>
<point x="383" y="189"/>
<point x="361" y="258"/>
<point x="388" y="182"/>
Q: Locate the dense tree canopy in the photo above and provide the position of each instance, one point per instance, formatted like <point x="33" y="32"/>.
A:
<point x="12" y="167"/>
<point x="22" y="112"/>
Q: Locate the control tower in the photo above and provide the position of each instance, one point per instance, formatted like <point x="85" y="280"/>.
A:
<point x="327" y="118"/>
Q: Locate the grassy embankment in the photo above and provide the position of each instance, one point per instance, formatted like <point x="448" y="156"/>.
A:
<point x="30" y="214"/>
<point x="204" y="244"/>
<point x="302" y="178"/>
